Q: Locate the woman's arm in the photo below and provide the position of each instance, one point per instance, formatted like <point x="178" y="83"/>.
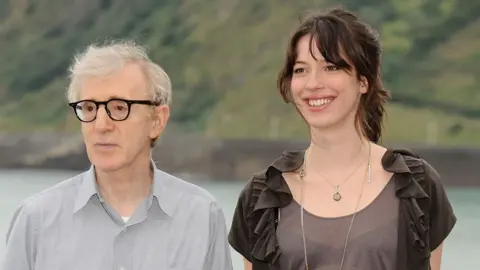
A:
<point x="238" y="236"/>
<point x="442" y="217"/>
<point x="436" y="258"/>
<point x="248" y="265"/>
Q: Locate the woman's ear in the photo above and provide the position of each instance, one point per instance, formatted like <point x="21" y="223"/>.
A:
<point x="363" y="85"/>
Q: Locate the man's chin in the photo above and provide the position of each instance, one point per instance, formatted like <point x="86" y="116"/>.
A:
<point x="105" y="164"/>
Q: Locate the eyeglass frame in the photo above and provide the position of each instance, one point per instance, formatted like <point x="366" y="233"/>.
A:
<point x="129" y="103"/>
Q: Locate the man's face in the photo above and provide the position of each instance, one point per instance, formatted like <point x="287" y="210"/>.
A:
<point x="112" y="145"/>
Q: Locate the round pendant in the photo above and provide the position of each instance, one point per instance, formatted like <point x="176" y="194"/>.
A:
<point x="337" y="196"/>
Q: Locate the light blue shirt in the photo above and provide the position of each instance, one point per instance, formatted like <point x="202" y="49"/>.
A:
<point x="69" y="226"/>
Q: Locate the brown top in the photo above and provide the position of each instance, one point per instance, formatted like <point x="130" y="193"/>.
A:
<point x="425" y="214"/>
<point x="369" y="246"/>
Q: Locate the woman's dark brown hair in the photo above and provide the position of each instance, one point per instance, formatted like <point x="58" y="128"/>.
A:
<point x="344" y="41"/>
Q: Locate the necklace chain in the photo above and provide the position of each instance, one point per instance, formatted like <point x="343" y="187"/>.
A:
<point x="337" y="196"/>
<point x="302" y="176"/>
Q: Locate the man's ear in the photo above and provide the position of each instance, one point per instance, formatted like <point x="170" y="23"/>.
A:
<point x="161" y="116"/>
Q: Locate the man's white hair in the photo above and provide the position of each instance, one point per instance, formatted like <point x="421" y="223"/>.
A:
<point x="102" y="60"/>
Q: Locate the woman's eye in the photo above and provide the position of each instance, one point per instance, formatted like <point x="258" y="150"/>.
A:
<point x="331" y="68"/>
<point x="298" y="70"/>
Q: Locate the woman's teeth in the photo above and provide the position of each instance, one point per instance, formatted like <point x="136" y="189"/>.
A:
<point x="319" y="102"/>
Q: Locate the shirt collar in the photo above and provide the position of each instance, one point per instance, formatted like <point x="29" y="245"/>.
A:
<point x="166" y="200"/>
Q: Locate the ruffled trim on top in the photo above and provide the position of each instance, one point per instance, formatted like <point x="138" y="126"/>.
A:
<point x="270" y="192"/>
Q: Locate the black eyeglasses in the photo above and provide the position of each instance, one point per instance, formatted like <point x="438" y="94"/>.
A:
<point x="116" y="108"/>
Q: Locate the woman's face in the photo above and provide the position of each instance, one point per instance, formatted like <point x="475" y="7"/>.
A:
<point x="325" y="95"/>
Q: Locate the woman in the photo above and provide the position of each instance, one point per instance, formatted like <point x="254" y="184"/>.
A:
<point x="346" y="202"/>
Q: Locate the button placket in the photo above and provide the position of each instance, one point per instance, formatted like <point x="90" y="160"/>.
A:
<point x="120" y="249"/>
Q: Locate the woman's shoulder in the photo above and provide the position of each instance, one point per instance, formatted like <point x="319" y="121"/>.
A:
<point x="268" y="182"/>
<point x="255" y="184"/>
<point x="288" y="161"/>
<point x="410" y="165"/>
<point x="427" y="187"/>
<point x="404" y="160"/>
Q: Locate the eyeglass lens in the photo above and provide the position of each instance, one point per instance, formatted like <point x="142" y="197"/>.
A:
<point x="87" y="110"/>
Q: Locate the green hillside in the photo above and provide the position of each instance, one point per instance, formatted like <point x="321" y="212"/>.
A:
<point x="223" y="57"/>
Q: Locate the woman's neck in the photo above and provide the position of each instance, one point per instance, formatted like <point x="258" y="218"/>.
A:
<point x="336" y="150"/>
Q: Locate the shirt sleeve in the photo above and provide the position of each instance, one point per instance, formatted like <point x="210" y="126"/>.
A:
<point x="21" y="243"/>
<point x="219" y="257"/>
<point x="442" y="216"/>
<point x="239" y="233"/>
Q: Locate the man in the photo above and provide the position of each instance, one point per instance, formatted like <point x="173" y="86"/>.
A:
<point x="123" y="213"/>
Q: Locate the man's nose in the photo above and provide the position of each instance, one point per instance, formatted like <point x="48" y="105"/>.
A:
<point x="103" y="121"/>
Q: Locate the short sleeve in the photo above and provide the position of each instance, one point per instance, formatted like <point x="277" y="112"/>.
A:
<point x="20" y="251"/>
<point x="442" y="217"/>
<point x="218" y="256"/>
<point x="239" y="234"/>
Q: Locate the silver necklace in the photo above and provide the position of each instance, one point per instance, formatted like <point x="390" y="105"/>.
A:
<point x="336" y="191"/>
<point x="302" y="175"/>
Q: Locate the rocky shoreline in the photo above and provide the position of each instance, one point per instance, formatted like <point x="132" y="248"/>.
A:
<point x="206" y="159"/>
